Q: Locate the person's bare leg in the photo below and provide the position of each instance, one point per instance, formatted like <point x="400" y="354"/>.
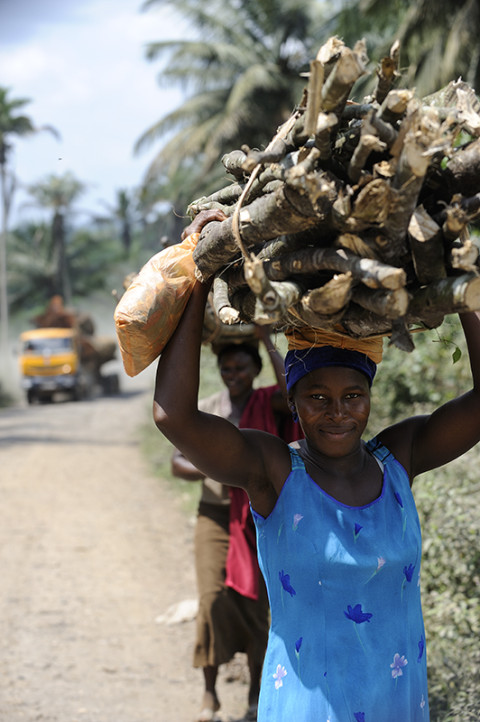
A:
<point x="210" y="702"/>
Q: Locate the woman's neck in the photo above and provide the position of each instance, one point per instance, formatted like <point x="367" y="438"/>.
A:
<point x="353" y="462"/>
<point x="354" y="479"/>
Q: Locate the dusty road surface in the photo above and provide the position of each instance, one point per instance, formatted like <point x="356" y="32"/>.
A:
<point x="92" y="550"/>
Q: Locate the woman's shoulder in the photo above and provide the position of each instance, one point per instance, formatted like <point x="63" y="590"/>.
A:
<point x="265" y="489"/>
<point x="399" y="439"/>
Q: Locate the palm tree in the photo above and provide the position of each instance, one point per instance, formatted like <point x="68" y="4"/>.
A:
<point x="58" y="194"/>
<point x="441" y="42"/>
<point x="439" y="39"/>
<point x="12" y="124"/>
<point x="122" y="214"/>
<point x="30" y="265"/>
<point x="243" y="66"/>
<point x="244" y="72"/>
<point x="170" y="195"/>
<point x="91" y="254"/>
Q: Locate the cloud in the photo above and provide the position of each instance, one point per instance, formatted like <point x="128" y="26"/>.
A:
<point x="86" y="75"/>
<point x="20" y="20"/>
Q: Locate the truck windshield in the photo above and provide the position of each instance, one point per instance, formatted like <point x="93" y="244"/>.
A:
<point x="47" y="345"/>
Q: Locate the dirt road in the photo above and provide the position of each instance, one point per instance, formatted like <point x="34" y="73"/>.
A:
<point x="92" y="550"/>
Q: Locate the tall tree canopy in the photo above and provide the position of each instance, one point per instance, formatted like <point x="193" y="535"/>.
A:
<point x="243" y="66"/>
<point x="439" y="39"/>
<point x="13" y="124"/>
<point x="58" y="195"/>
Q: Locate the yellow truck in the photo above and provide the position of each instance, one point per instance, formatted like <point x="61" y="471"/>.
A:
<point x="50" y="363"/>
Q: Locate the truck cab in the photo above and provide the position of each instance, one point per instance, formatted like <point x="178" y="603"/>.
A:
<point x="50" y="363"/>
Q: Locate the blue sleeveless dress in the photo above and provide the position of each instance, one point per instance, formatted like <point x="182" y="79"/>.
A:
<point x="347" y="640"/>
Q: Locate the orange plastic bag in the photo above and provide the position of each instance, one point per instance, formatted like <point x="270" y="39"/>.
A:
<point x="149" y="311"/>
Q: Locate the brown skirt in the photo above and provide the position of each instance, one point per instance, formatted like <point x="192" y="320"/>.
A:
<point x="227" y="622"/>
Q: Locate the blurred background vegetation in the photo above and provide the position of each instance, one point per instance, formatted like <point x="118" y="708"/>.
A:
<point x="241" y="72"/>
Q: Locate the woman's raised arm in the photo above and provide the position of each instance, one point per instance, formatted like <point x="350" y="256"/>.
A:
<point x="427" y="442"/>
<point x="253" y="460"/>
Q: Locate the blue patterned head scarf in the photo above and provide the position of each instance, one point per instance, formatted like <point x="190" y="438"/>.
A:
<point x="299" y="362"/>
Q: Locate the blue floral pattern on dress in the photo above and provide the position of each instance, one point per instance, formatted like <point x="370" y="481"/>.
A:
<point x="285" y="580"/>
<point x="359" y="617"/>
<point x="404" y="516"/>
<point x="421" y="648"/>
<point x="408" y="574"/>
<point x="399" y="662"/>
<point x="280" y="673"/>
<point x="380" y="564"/>
<point x="298" y="645"/>
<point x="297" y="518"/>
<point x="356" y="615"/>
<point x="321" y="550"/>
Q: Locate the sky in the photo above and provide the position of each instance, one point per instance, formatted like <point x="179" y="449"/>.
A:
<point x="82" y="64"/>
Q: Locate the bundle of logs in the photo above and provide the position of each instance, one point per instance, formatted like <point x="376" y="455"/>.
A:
<point x="357" y="216"/>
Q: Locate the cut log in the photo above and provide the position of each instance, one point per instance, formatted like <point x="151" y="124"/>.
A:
<point x="464" y="255"/>
<point x="356" y="216"/>
<point x="389" y="304"/>
<point x="387" y="73"/>
<point x="332" y="297"/>
<point x="221" y="302"/>
<point x="311" y="260"/>
<point x="426" y="245"/>
<point x="284" y="211"/>
<point x="456" y="294"/>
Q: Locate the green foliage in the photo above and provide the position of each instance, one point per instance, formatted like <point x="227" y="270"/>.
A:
<point x="32" y="269"/>
<point x="57" y="193"/>
<point x="435" y="37"/>
<point x="435" y="372"/>
<point x="448" y="500"/>
<point x="10" y="122"/>
<point x="90" y="255"/>
<point x="6" y="399"/>
<point x="242" y="68"/>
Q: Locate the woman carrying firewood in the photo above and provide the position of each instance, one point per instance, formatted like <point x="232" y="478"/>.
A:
<point x="338" y="534"/>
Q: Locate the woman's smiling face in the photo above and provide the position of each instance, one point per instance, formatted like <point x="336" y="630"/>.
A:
<point x="238" y="371"/>
<point x="333" y="406"/>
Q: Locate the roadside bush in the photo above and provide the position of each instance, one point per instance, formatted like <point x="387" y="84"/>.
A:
<point x="448" y="500"/>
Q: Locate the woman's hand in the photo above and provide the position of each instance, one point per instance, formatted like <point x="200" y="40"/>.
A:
<point x="201" y="220"/>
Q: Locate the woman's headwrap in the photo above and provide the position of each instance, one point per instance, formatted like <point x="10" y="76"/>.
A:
<point x="310" y="349"/>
